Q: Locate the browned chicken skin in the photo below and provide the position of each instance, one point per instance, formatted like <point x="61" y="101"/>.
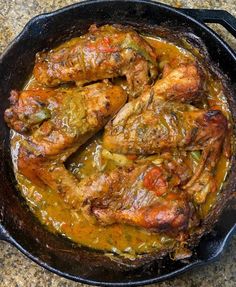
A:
<point x="27" y="109"/>
<point x="173" y="125"/>
<point x="105" y="52"/>
<point x="183" y="84"/>
<point x="141" y="196"/>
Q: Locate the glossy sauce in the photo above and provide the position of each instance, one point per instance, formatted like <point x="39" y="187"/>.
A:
<point x="57" y="216"/>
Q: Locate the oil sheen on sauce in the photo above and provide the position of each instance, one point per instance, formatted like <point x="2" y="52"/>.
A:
<point x="57" y="216"/>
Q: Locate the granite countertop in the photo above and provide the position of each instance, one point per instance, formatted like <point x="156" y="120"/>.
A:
<point x="18" y="271"/>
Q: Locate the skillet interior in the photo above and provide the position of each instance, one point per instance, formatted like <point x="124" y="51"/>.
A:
<point x="26" y="232"/>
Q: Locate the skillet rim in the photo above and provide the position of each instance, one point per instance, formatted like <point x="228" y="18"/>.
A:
<point x="36" y="21"/>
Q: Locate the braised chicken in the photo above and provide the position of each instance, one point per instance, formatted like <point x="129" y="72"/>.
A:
<point x="59" y="121"/>
<point x="62" y="120"/>
<point x="142" y="195"/>
<point x="155" y="170"/>
<point x="183" y="84"/>
<point x="146" y="196"/>
<point x="105" y="52"/>
<point x="151" y="124"/>
<point x="164" y="125"/>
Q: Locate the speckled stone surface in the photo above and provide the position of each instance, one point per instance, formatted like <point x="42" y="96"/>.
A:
<point x="18" y="271"/>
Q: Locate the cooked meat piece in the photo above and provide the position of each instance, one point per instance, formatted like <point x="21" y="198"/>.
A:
<point x="183" y="84"/>
<point x="28" y="109"/>
<point x="140" y="196"/>
<point x="158" y="120"/>
<point x="49" y="173"/>
<point x="59" y="119"/>
<point x="161" y="125"/>
<point x="105" y="52"/>
<point x="73" y="116"/>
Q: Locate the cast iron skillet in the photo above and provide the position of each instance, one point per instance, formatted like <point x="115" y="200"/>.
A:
<point x="18" y="226"/>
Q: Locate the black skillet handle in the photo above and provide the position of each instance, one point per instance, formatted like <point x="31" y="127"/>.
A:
<point x="3" y="234"/>
<point x="213" y="16"/>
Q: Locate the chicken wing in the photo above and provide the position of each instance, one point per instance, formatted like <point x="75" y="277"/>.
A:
<point x="105" y="52"/>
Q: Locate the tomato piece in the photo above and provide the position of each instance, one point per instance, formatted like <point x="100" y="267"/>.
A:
<point x="131" y="156"/>
<point x="216" y="107"/>
<point x="154" y="181"/>
<point x="103" y="46"/>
